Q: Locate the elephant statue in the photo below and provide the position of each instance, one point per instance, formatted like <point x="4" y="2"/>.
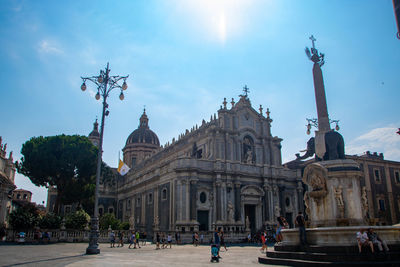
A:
<point x="334" y="145"/>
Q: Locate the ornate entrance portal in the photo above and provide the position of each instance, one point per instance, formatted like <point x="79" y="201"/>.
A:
<point x="251" y="197"/>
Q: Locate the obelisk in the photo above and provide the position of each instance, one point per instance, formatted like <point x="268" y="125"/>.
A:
<point x="320" y="99"/>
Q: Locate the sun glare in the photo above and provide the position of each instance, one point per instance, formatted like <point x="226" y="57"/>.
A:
<point x="218" y="20"/>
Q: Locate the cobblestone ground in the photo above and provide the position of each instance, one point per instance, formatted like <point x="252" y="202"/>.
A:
<point x="72" y="254"/>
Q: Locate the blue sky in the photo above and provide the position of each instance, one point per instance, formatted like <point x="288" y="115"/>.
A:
<point x="184" y="57"/>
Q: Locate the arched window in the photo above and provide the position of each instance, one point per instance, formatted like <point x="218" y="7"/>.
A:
<point x="203" y="197"/>
<point x="164" y="194"/>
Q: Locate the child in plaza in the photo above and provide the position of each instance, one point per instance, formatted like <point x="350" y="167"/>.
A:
<point x="214" y="253"/>
<point x="263" y="241"/>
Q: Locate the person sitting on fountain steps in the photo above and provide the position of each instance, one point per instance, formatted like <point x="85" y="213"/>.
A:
<point x="375" y="239"/>
<point x="363" y="241"/>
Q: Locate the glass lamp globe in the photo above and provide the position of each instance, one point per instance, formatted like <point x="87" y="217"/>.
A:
<point x="97" y="96"/>
<point x="100" y="79"/>
<point x="337" y="127"/>
<point x="83" y="87"/>
<point x="124" y="86"/>
<point x="121" y="96"/>
<point x="308" y="131"/>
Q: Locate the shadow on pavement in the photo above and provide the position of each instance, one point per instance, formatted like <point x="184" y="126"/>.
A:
<point x="46" y="260"/>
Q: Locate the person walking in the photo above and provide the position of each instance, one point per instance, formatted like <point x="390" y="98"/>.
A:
<point x="158" y="241"/>
<point x="169" y="239"/>
<point x="222" y="239"/>
<point x="132" y="239"/>
<point x="112" y="239"/>
<point x="301" y="224"/>
<point x="137" y="237"/>
<point x="120" y="239"/>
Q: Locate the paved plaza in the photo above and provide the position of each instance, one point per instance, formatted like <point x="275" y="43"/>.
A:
<point x="72" y="254"/>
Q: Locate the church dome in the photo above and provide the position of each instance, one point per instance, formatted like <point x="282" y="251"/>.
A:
<point x="143" y="134"/>
<point x="95" y="132"/>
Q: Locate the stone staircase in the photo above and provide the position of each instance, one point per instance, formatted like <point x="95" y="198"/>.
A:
<point x="292" y="255"/>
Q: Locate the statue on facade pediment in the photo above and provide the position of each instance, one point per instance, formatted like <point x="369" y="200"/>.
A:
<point x="248" y="154"/>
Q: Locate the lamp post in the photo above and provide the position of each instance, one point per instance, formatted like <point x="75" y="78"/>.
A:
<point x="105" y="84"/>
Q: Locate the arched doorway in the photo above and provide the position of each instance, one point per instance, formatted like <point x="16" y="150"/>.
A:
<point x="251" y="202"/>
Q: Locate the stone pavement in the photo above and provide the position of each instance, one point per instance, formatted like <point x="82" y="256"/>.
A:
<point x="72" y="254"/>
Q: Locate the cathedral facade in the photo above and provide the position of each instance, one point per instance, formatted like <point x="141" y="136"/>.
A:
<point x="225" y="173"/>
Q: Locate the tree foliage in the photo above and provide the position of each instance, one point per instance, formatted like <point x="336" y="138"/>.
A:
<point x="50" y="221"/>
<point x="109" y="219"/>
<point x="24" y="218"/>
<point x="67" y="162"/>
<point x="77" y="220"/>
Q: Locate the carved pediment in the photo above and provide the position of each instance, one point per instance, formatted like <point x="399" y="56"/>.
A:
<point x="252" y="190"/>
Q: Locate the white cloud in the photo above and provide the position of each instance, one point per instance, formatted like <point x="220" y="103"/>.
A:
<point x="49" y="47"/>
<point x="382" y="140"/>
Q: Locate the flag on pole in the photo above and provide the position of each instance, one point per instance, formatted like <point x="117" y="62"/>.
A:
<point x="123" y="168"/>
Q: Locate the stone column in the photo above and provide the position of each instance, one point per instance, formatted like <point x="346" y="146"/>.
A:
<point x="143" y="222"/>
<point x="155" y="201"/>
<point x="277" y="207"/>
<point x="223" y="202"/>
<point x="218" y="200"/>
<point x="193" y="199"/>
<point x="390" y="194"/>
<point x="267" y="202"/>
<point x="238" y="216"/>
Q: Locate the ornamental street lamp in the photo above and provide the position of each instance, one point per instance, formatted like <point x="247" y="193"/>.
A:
<point x="105" y="84"/>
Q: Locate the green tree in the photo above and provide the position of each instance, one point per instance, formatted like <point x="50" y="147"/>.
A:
<point x="109" y="219"/>
<point x="24" y="217"/>
<point x="77" y="220"/>
<point x="50" y="221"/>
<point x="67" y="162"/>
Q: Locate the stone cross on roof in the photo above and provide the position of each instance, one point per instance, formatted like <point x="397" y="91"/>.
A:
<point x="246" y="90"/>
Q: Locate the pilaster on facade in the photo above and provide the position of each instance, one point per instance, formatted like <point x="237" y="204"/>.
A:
<point x="390" y="194"/>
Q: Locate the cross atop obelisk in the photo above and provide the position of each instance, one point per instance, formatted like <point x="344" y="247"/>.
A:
<point x="313" y="40"/>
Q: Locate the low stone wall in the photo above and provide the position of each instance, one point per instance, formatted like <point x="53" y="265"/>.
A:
<point x="339" y="236"/>
<point x="83" y="236"/>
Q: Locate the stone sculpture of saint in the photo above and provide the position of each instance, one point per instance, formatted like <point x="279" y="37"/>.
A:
<point x="339" y="196"/>
<point x="230" y="212"/>
<point x="247" y="222"/>
<point x="131" y="223"/>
